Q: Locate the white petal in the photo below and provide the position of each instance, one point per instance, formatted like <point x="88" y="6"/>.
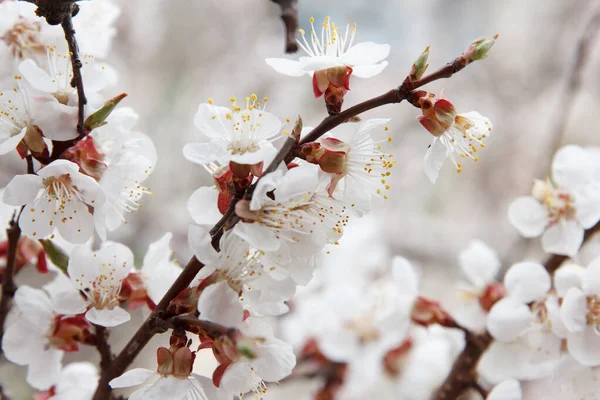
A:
<point x="199" y="240"/>
<point x="9" y="144"/>
<point x="297" y="182"/>
<point x="507" y="390"/>
<point x="133" y="377"/>
<point x="318" y="63"/>
<point x="205" y="153"/>
<point x="37" y="77"/>
<point x="479" y="262"/>
<point x="434" y="159"/>
<point x="74" y="222"/>
<point x="266" y="184"/>
<point x="573" y="310"/>
<point x="572" y="166"/>
<point x="527" y="281"/>
<point x="276" y="360"/>
<point x="508" y="319"/>
<point x="584" y="346"/>
<point x="35" y="306"/>
<point x="405" y="276"/>
<point x="528" y="216"/>
<point x="563" y="238"/>
<point x="220" y="304"/>
<point x="591" y="283"/>
<point x="587" y="205"/>
<point x="171" y="388"/>
<point x="91" y="192"/>
<point x="368" y="71"/>
<point x="57" y="121"/>
<point x="366" y="53"/>
<point x="258" y="236"/>
<point x="22" y="341"/>
<point x="213" y="122"/>
<point x="568" y="276"/>
<point x="285" y="66"/>
<point x="22" y="189"/>
<point x="238" y="378"/>
<point x="265" y="153"/>
<point x="38" y="223"/>
<point x="202" y="206"/>
<point x="69" y="302"/>
<point x="106" y="317"/>
<point x="45" y="371"/>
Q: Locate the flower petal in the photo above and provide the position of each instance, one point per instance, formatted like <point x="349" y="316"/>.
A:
<point x="573" y="310"/>
<point x="507" y="390"/>
<point x="434" y="159"/>
<point x="563" y="238"/>
<point x="218" y="303"/>
<point x="200" y="243"/>
<point x="45" y="371"/>
<point x="584" y="346"/>
<point x="213" y="121"/>
<point x="133" y="377"/>
<point x="8" y="144"/>
<point x="369" y="71"/>
<point x="591" y="283"/>
<point x="22" y="189"/>
<point x="203" y="206"/>
<point x="285" y="66"/>
<point x="317" y="63"/>
<point x="258" y="236"/>
<point x="37" y="77"/>
<point x="568" y="276"/>
<point x="74" y="222"/>
<point x="405" y="276"/>
<point x="507" y="319"/>
<point x="479" y="263"/>
<point x="527" y="281"/>
<point x="366" y="53"/>
<point x="205" y="153"/>
<point x="528" y="216"/>
<point x="108" y="318"/>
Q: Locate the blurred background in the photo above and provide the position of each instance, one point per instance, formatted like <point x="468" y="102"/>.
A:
<point x="173" y="55"/>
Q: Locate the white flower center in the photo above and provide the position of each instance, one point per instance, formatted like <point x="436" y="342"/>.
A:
<point x="593" y="314"/>
<point x="330" y="42"/>
<point x="103" y="291"/>
<point x="463" y="136"/>
<point x="558" y="202"/>
<point x="61" y="190"/>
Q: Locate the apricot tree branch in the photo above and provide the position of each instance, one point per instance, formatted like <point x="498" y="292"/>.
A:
<point x="9" y="288"/>
<point x="289" y="16"/>
<point x="101" y="336"/>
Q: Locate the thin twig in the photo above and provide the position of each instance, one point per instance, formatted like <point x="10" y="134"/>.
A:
<point x="13" y="233"/>
<point x="289" y="16"/>
<point x="191" y="323"/>
<point x="103" y="347"/>
<point x="77" y="81"/>
<point x="573" y="82"/>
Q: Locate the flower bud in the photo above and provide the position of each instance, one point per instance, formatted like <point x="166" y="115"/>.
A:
<point x="331" y="155"/>
<point x="428" y="312"/>
<point x="493" y="293"/>
<point x="478" y="50"/>
<point x="98" y="118"/>
<point x="419" y="66"/>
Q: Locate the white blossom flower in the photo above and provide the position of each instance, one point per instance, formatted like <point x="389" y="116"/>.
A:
<point x="236" y="280"/>
<point x="19" y="33"/>
<point x="158" y="386"/>
<point x="26" y="114"/>
<point x="76" y="381"/>
<point x="580" y="313"/>
<point x="159" y="270"/>
<point x="57" y="197"/>
<point x="28" y="340"/>
<point x="262" y="358"/>
<point x="240" y="135"/>
<point x="479" y="264"/>
<point x="455" y="135"/>
<point x="298" y="215"/>
<point x="507" y="390"/>
<point x="98" y="276"/>
<point x="356" y="163"/>
<point x="560" y="212"/>
<point x="522" y="323"/>
<point x="333" y="49"/>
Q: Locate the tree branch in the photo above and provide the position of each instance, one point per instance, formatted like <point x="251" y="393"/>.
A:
<point x="9" y="288"/>
<point x="103" y="347"/>
<point x="289" y="16"/>
<point x="3" y="395"/>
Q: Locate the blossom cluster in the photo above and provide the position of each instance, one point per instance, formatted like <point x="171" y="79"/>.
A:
<point x="280" y="231"/>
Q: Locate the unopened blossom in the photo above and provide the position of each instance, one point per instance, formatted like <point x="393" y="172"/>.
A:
<point x="38" y="338"/>
<point x="507" y="390"/>
<point x="297" y="214"/>
<point x="358" y="167"/>
<point x="331" y="57"/>
<point x="562" y="208"/>
<point x="27" y="115"/>
<point x="455" y="135"/>
<point x="94" y="284"/>
<point x="479" y="264"/>
<point x="524" y="326"/>
<point x="236" y="134"/>
<point x="580" y="313"/>
<point x="173" y="379"/>
<point x="260" y="358"/>
<point x="58" y="197"/>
